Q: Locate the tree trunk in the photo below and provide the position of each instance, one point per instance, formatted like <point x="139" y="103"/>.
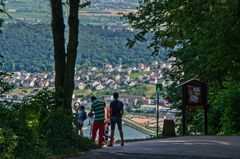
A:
<point x="238" y="10"/>
<point x="73" y="23"/>
<point x="59" y="42"/>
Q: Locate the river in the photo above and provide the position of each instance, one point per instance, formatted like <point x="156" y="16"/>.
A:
<point x="129" y="132"/>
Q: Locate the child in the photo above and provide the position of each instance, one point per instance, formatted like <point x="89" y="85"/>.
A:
<point x="106" y="135"/>
<point x="81" y="117"/>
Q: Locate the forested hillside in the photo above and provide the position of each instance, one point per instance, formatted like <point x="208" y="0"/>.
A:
<point x="31" y="48"/>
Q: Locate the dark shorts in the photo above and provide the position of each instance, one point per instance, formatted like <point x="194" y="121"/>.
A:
<point x="114" y="121"/>
<point x="79" y="125"/>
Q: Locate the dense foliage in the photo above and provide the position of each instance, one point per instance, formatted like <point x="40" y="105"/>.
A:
<point x="203" y="37"/>
<point x="1" y="11"/>
<point x="38" y="128"/>
<point x="97" y="46"/>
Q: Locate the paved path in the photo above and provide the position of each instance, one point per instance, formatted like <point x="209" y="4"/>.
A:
<point x="187" y="147"/>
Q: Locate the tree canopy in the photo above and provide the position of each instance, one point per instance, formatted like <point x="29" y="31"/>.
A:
<point x="198" y="33"/>
<point x="18" y="43"/>
<point x="1" y="11"/>
<point x="203" y="37"/>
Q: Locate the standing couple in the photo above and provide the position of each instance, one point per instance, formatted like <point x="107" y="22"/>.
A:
<point x="116" y="113"/>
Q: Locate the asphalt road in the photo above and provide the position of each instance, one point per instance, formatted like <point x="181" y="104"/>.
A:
<point x="186" y="147"/>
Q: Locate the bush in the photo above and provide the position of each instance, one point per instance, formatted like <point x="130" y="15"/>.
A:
<point x="227" y="103"/>
<point x="8" y="142"/>
<point x="59" y="133"/>
<point x="38" y="128"/>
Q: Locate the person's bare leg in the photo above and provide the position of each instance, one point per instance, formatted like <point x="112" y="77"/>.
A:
<point x="81" y="132"/>
<point x="111" y="139"/>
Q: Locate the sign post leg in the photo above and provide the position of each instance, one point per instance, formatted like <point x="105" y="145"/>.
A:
<point x="157" y="114"/>
<point x="206" y="121"/>
<point x="184" y="120"/>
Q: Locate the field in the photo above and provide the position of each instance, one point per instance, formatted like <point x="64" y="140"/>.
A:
<point x="135" y="75"/>
<point x="84" y="92"/>
<point x="99" y="13"/>
<point x="150" y="91"/>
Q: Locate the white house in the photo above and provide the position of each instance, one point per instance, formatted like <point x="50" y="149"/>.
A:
<point x="129" y="70"/>
<point x="44" y="83"/>
<point x="26" y="83"/>
<point x="81" y="86"/>
<point x="114" y="86"/>
<point x="147" y="69"/>
<point x="118" y="68"/>
<point x="32" y="84"/>
<point x="141" y="66"/>
<point x="126" y="82"/>
<point x="109" y="81"/>
<point x="45" y="75"/>
<point x="99" y="87"/>
<point x="132" y="83"/>
<point x="155" y="63"/>
<point x="89" y="73"/>
<point x="95" y="83"/>
<point x="153" y="81"/>
<point x="117" y="77"/>
<point x="93" y="68"/>
<point x="77" y="78"/>
<point x="140" y="78"/>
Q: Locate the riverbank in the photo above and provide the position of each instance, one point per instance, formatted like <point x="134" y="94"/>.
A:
<point x="138" y="127"/>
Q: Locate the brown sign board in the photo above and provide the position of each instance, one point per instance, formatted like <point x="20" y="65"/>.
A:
<point x="194" y="94"/>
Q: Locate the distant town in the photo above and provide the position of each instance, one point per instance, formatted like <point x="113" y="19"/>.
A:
<point x="110" y="77"/>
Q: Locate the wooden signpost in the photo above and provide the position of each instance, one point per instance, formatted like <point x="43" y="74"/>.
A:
<point x="194" y="96"/>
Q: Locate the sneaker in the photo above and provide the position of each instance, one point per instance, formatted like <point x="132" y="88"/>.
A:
<point x="110" y="145"/>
